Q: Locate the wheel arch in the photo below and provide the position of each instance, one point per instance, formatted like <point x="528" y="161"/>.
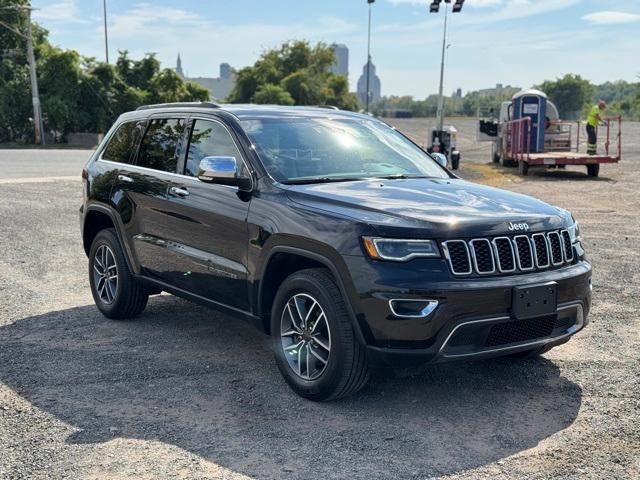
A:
<point x="99" y="217"/>
<point x="284" y="260"/>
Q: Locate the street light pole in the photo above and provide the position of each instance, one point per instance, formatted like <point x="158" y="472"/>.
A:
<point x="370" y="2"/>
<point x="106" y="37"/>
<point x="440" y="113"/>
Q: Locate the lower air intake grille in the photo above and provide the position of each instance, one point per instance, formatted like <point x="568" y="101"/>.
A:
<point x="518" y="331"/>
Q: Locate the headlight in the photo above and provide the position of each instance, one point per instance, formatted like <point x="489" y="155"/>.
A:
<point x="574" y="232"/>
<point x="399" y="250"/>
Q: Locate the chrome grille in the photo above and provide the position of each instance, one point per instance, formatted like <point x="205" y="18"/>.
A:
<point x="556" y="248"/>
<point x="482" y="256"/>
<point x="567" y="247"/>
<point x="505" y="255"/>
<point x="459" y="257"/>
<point x="524" y="252"/>
<point x="521" y="253"/>
<point x="540" y="250"/>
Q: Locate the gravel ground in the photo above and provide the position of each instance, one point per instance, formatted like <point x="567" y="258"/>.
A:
<point x="189" y="393"/>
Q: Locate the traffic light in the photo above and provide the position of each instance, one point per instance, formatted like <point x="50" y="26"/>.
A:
<point x="435" y="6"/>
<point x="371" y="1"/>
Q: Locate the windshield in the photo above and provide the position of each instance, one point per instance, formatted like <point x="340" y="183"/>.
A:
<point x="305" y="149"/>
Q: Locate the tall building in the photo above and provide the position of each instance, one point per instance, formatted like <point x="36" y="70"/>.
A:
<point x="341" y="64"/>
<point x="179" y="70"/>
<point x="220" y="87"/>
<point x="375" y="86"/>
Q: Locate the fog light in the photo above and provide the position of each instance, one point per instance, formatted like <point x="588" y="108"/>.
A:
<point x="410" y="308"/>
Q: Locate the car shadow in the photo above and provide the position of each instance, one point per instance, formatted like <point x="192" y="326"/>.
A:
<point x="206" y="383"/>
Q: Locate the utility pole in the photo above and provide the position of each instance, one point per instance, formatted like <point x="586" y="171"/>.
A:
<point x="106" y="37"/>
<point x="35" y="96"/>
<point x="370" y="2"/>
<point x="440" y="113"/>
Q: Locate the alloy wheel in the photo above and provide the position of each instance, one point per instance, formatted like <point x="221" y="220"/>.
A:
<point x="305" y="336"/>
<point x="105" y="274"/>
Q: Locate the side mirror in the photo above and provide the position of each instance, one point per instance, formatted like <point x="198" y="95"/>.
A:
<point x="441" y="158"/>
<point x="223" y="171"/>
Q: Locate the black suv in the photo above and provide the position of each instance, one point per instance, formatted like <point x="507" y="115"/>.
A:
<point x="333" y="233"/>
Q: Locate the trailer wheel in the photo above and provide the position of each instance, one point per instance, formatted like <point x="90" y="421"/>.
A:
<point x="593" y="170"/>
<point x="523" y="168"/>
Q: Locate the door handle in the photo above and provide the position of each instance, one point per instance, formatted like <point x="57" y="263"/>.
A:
<point x="125" y="179"/>
<point x="179" y="192"/>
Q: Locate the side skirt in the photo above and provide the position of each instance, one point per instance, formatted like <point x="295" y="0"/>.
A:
<point x="205" y="302"/>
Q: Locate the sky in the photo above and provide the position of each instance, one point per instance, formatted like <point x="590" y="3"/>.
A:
<point x="516" y="42"/>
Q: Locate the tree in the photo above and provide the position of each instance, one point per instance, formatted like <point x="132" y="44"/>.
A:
<point x="569" y="93"/>
<point x="77" y="93"/>
<point x="271" y="94"/>
<point x="295" y="73"/>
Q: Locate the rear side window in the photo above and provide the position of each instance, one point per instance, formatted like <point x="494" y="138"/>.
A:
<point x="123" y="143"/>
<point x="209" y="139"/>
<point x="162" y="144"/>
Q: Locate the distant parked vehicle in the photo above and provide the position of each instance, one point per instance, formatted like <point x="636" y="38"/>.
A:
<point x="529" y="133"/>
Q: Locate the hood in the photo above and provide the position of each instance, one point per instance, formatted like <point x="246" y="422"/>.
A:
<point x="440" y="208"/>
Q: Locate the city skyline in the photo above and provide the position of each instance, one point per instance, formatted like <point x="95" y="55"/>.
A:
<point x="518" y="42"/>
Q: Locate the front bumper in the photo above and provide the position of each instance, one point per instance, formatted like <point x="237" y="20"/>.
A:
<point x="473" y="316"/>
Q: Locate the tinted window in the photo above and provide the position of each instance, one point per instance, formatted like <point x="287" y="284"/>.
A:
<point x="162" y="144"/>
<point x="123" y="143"/>
<point x="209" y="139"/>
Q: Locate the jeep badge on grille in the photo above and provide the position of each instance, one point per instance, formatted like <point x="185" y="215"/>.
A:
<point x="518" y="226"/>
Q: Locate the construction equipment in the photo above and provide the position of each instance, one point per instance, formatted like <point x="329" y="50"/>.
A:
<point x="529" y="133"/>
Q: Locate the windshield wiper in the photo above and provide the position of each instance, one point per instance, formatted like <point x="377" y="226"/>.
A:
<point x="305" y="181"/>
<point x="401" y="176"/>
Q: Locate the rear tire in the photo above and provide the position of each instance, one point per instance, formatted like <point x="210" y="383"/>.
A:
<point x="117" y="294"/>
<point x="315" y="345"/>
<point x="593" y="170"/>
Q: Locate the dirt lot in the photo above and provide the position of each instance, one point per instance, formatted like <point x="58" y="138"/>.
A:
<point x="189" y="393"/>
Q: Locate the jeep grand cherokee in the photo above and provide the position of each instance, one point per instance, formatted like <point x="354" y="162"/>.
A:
<point x="333" y="233"/>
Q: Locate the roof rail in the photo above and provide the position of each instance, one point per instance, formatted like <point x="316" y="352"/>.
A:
<point x="330" y="107"/>
<point x="179" y="105"/>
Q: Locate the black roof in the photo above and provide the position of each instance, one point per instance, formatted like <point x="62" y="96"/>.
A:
<point x="247" y="110"/>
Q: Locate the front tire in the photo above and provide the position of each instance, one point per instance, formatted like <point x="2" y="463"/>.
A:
<point x="315" y="345"/>
<point x="116" y="293"/>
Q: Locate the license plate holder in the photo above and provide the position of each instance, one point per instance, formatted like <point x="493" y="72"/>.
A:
<point x="530" y="301"/>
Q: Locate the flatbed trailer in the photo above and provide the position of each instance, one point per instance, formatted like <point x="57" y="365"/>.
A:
<point x="561" y="150"/>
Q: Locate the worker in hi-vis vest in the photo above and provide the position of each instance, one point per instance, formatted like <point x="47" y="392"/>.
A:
<point x="593" y="120"/>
